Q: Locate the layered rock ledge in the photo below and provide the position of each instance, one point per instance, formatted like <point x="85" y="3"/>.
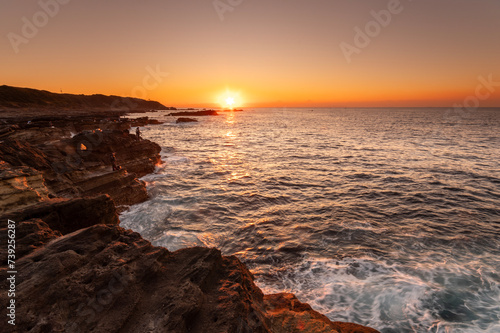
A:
<point x="79" y="271"/>
<point x="70" y="157"/>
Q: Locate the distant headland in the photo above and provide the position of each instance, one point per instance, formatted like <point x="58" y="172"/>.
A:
<point x="26" y="98"/>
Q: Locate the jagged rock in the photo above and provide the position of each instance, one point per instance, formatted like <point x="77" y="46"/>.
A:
<point x="136" y="156"/>
<point x="75" y="166"/>
<point x="68" y="215"/>
<point x="18" y="153"/>
<point x="20" y="187"/>
<point x="185" y="120"/>
<point x="288" y="315"/>
<point x="143" y="121"/>
<point x="108" y="279"/>
<point x="6" y="129"/>
<point x="30" y="235"/>
<point x="124" y="188"/>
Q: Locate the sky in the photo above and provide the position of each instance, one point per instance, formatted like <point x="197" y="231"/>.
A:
<point x="260" y="53"/>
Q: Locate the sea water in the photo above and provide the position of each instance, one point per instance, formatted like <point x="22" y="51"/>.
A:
<point x="383" y="217"/>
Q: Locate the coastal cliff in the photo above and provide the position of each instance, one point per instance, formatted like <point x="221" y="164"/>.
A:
<point x="79" y="271"/>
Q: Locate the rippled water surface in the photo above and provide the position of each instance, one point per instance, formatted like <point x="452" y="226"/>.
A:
<point x="384" y="217"/>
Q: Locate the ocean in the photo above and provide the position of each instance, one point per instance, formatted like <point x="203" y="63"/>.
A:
<point x="384" y="217"/>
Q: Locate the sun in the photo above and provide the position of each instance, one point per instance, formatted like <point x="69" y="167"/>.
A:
<point x="230" y="99"/>
<point x="230" y="102"/>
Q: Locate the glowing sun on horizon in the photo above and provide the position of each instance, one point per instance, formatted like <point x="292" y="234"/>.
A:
<point x="230" y="100"/>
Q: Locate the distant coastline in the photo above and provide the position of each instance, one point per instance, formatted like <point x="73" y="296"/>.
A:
<point x="18" y="98"/>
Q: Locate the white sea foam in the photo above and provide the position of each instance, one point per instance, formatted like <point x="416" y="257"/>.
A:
<point x="389" y="296"/>
<point x="178" y="239"/>
<point x="141" y="216"/>
<point x="175" y="159"/>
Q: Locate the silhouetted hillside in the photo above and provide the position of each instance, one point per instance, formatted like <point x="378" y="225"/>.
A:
<point x="14" y="97"/>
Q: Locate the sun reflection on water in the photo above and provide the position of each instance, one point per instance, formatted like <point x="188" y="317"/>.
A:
<point x="230" y="118"/>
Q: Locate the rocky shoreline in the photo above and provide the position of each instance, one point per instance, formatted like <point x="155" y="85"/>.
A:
<point x="79" y="271"/>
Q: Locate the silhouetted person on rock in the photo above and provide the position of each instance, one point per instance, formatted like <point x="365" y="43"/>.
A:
<point x="138" y="133"/>
<point x="113" y="162"/>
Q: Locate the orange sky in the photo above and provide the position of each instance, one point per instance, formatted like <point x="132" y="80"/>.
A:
<point x="265" y="52"/>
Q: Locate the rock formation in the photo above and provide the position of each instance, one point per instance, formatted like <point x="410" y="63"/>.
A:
<point x="70" y="158"/>
<point x="68" y="215"/>
<point x="20" y="187"/>
<point x="195" y="113"/>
